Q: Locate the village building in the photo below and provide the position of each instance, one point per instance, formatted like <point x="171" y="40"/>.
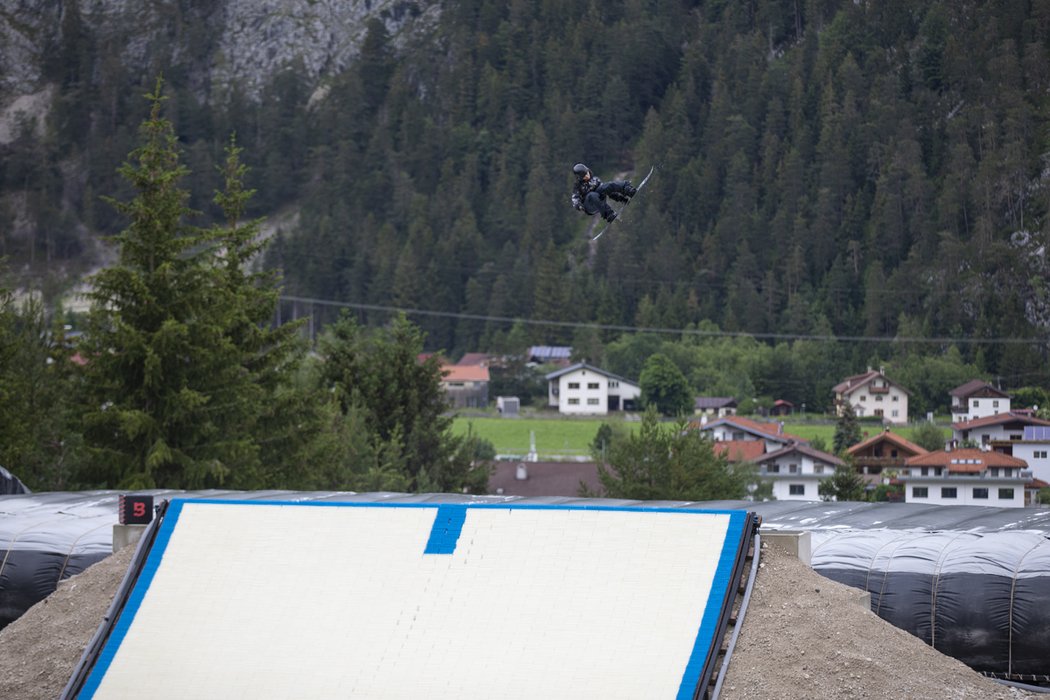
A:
<point x="873" y="394"/>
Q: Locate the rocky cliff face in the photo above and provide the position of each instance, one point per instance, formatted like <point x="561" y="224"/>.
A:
<point x="242" y="42"/>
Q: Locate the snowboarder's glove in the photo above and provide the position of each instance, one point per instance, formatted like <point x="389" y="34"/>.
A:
<point x="629" y="189"/>
<point x="577" y="203"/>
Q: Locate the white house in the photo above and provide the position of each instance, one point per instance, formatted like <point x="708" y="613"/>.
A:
<point x="873" y="394"/>
<point x="583" y="389"/>
<point x="1033" y="448"/>
<point x="978" y="399"/>
<point x="966" y="477"/>
<point x="1002" y="428"/>
<point x="796" y="471"/>
<point x="714" y="406"/>
<point x="739" y="428"/>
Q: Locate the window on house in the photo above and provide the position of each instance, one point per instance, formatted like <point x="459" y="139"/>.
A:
<point x="592" y="385"/>
<point x="893" y="453"/>
<point x="976" y="403"/>
<point x="994" y="471"/>
<point x="1006" y="494"/>
<point x="738" y="436"/>
<point x="863" y="397"/>
<point x="979" y="492"/>
<point x="797" y="489"/>
<point x="592" y="402"/>
<point x="920" y="492"/>
<point x="793" y="468"/>
<point x="773" y="469"/>
<point x="894" y="413"/>
<point x="949" y="492"/>
<point x="574" y="385"/>
<point x="896" y="398"/>
<point x="879" y="397"/>
<point x="985" y="439"/>
<point x="995" y="404"/>
<point x="574" y="402"/>
<point x="1040" y="454"/>
<point x="1017" y="437"/>
<point x="925" y="471"/>
<point x="613" y="384"/>
<point x="818" y="468"/>
<point x="937" y="471"/>
<point x="878" y="412"/>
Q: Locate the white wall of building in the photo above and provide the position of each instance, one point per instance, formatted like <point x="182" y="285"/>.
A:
<point x="586" y="392"/>
<point x="893" y="403"/>
<point x="796" y="477"/>
<point x="1037" y="454"/>
<point x="935" y="493"/>
<point x="985" y="406"/>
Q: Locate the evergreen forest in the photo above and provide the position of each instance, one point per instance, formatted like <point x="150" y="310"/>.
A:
<point x="838" y="183"/>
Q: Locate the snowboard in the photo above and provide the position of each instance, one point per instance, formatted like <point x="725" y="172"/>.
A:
<point x="624" y="205"/>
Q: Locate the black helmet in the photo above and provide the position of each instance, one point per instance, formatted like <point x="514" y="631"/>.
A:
<point x="580" y="169"/>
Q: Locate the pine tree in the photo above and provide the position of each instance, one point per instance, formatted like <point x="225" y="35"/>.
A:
<point x="379" y="377"/>
<point x="847" y="430"/>
<point x="667" y="463"/>
<point x="178" y="368"/>
<point x="844" y="485"/>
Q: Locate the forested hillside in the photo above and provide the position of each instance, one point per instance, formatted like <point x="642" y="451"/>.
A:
<point x="862" y="170"/>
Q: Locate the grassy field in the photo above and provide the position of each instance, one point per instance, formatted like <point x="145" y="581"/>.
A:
<point x="569" y="438"/>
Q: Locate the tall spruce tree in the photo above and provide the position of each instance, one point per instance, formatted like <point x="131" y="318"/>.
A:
<point x="172" y="390"/>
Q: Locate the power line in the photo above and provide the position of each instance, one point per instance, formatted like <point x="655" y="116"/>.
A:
<point x="668" y="331"/>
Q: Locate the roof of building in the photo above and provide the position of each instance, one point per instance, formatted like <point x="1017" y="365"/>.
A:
<point x="770" y="431"/>
<point x="783" y="402"/>
<point x="474" y="358"/>
<point x="975" y="386"/>
<point x="851" y="384"/>
<point x="999" y="419"/>
<point x="796" y="448"/>
<point x="740" y="450"/>
<point x="545" y="479"/>
<point x="583" y="365"/>
<point x="888" y="435"/>
<point x="464" y="373"/>
<point x="966" y="460"/>
<point x="702" y="402"/>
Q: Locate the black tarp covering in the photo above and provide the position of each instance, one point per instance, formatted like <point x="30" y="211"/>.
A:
<point x="983" y="598"/>
<point x="972" y="581"/>
<point x="10" y="484"/>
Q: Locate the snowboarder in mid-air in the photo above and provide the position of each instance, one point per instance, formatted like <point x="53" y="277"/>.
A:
<point x="589" y="193"/>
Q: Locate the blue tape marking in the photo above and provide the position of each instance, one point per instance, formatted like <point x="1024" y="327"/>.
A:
<point x="448" y="524"/>
<point x="721" y="586"/>
<point x="127" y="615"/>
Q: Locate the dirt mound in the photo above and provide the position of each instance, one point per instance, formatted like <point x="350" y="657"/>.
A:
<point x="803" y="636"/>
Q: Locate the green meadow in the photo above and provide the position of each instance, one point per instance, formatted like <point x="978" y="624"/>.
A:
<point x="571" y="437"/>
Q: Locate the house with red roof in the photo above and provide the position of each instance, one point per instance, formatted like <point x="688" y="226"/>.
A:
<point x="883" y="452"/>
<point x="1000" y="429"/>
<point x="966" y="476"/>
<point x="467" y="386"/>
<point x="873" y="394"/>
